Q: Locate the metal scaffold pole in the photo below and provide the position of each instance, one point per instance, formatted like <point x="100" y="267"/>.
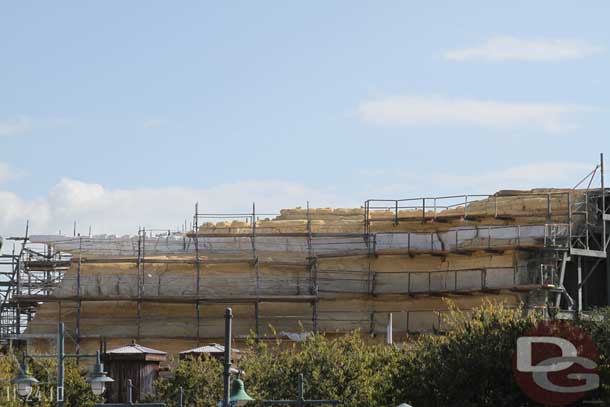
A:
<point x="141" y="254"/>
<point x="197" y="270"/>
<point x="257" y="272"/>
<point x="605" y="218"/>
<point x="313" y="275"/>
<point x="78" y="296"/>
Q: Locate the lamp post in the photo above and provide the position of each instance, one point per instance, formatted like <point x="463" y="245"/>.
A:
<point x="24" y="382"/>
<point x="226" y="375"/>
<point x="300" y="401"/>
<point x="234" y="393"/>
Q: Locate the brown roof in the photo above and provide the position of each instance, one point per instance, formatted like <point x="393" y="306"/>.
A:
<point x="134" y="351"/>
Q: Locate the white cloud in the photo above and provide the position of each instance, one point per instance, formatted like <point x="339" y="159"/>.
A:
<point x="121" y="211"/>
<point x="423" y="111"/>
<point x="15" y="126"/>
<point x="504" y="48"/>
<point x="552" y="174"/>
<point x="8" y="173"/>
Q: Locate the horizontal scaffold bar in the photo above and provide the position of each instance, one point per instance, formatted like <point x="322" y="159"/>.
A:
<point x="184" y="299"/>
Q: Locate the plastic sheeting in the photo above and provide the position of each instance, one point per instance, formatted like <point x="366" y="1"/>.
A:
<point x="456" y="239"/>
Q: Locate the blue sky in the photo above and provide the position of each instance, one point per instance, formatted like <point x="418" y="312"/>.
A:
<point x="118" y="114"/>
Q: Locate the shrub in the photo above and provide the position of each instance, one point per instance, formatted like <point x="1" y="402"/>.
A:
<point x="200" y="379"/>
<point x="342" y="368"/>
<point x="470" y="366"/>
<point x="598" y="327"/>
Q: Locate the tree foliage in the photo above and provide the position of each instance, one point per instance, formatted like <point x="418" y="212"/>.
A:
<point x="471" y="366"/>
<point x="77" y="392"/>
<point x="598" y="327"/>
<point x="342" y="368"/>
<point x="200" y="379"/>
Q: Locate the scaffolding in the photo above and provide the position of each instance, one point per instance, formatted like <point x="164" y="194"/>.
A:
<point x="35" y="270"/>
<point x="559" y="227"/>
<point x="589" y="241"/>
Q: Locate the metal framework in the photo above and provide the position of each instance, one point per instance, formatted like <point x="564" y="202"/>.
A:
<point x="572" y="230"/>
<point x="34" y="270"/>
<point x="589" y="238"/>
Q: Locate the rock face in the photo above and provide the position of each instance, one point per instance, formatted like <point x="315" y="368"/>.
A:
<point x="331" y="270"/>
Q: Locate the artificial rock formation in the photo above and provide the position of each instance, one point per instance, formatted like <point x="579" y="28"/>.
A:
<point x="330" y="270"/>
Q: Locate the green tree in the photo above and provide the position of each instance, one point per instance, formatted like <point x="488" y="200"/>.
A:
<point x="597" y="325"/>
<point x="200" y="379"/>
<point x="77" y="392"/>
<point x="471" y="365"/>
<point x="8" y="368"/>
<point x="342" y="368"/>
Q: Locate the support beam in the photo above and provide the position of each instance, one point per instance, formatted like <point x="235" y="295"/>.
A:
<point x="591" y="270"/>
<point x="562" y="274"/>
<point x="141" y="244"/>
<point x="78" y="302"/>
<point x="197" y="270"/>
<point x="579" y="262"/>
<point x="588" y="253"/>
<point x="604" y="231"/>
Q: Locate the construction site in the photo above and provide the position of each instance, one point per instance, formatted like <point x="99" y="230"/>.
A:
<point x="312" y="270"/>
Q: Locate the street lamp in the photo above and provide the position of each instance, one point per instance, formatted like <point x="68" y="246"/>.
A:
<point x="234" y="393"/>
<point x="98" y="378"/>
<point x="24" y="381"/>
<point x="239" y="397"/>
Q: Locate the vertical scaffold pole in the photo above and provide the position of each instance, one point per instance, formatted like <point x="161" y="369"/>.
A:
<point x="562" y="274"/>
<point x="311" y="265"/>
<point x="366" y="219"/>
<point x="257" y="271"/>
<point x="601" y="165"/>
<point x="78" y="296"/>
<point x="197" y="270"/>
<point x="579" y="262"/>
<point x="141" y="254"/>
<point x="604" y="231"/>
